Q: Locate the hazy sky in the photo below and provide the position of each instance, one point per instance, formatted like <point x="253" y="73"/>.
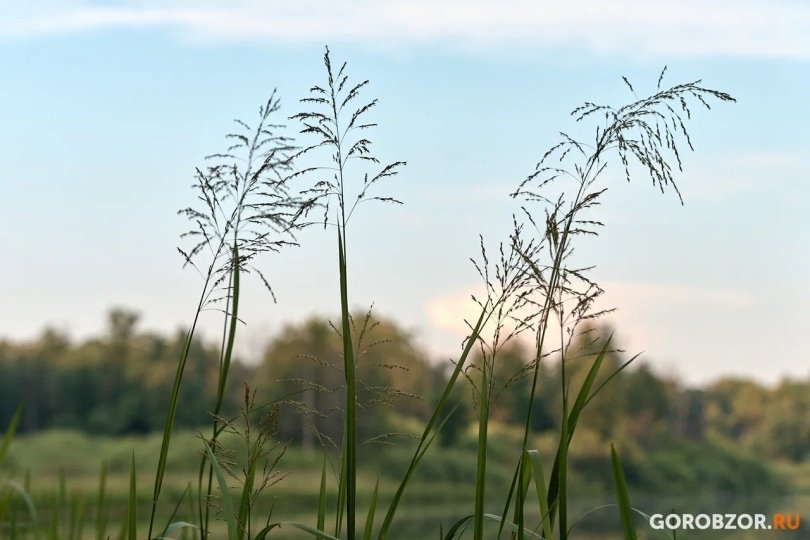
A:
<point x="106" y="108"/>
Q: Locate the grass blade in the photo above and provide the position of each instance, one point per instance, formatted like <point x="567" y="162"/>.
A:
<point x="10" y="431"/>
<point x="233" y="319"/>
<point x="371" y="509"/>
<point x="266" y="530"/>
<point x="62" y="490"/>
<point x="227" y="503"/>
<point x="244" y="502"/>
<point x="228" y="340"/>
<point x="171" y="521"/>
<point x="428" y="434"/>
<point x="350" y="436"/>
<point x="584" y="394"/>
<point x="77" y="517"/>
<point x="171" y="412"/>
<point x="322" y="498"/>
<point x="562" y="473"/>
<point x="622" y="496"/>
<point x="203" y="508"/>
<point x="458" y="528"/>
<point x="24" y="494"/>
<point x="670" y="535"/>
<point x="533" y="457"/>
<point x="557" y="483"/>
<point x="515" y="528"/>
<point x="303" y="527"/>
<point x="102" y="515"/>
<point x="341" y="501"/>
<point x="132" y="504"/>
<point x="481" y="464"/>
<point x="175" y="526"/>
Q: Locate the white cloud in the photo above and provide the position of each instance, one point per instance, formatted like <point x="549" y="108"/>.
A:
<point x="690" y="331"/>
<point x="675" y="325"/>
<point x="639" y="295"/>
<point x="646" y="312"/>
<point x="447" y="312"/>
<point x="649" y="27"/>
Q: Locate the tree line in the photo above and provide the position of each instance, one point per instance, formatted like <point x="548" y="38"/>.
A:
<point x="119" y="383"/>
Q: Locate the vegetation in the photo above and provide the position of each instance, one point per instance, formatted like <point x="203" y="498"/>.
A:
<point x="663" y="426"/>
<point x="338" y="397"/>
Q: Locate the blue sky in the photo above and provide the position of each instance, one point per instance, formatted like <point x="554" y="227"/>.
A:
<point x="107" y="107"/>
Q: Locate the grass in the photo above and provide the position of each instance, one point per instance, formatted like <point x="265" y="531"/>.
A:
<point x="443" y="487"/>
<point x="248" y="207"/>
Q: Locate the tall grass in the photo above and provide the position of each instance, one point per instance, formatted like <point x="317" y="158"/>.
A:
<point x="646" y="133"/>
<point x="247" y="207"/>
<point x="246" y="210"/>
<point x="337" y="120"/>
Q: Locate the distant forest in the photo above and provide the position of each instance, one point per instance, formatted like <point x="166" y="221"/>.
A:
<point x="119" y="383"/>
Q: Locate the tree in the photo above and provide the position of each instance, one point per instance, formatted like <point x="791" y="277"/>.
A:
<point x="301" y="369"/>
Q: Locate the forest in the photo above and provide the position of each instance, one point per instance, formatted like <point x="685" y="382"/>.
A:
<point x="118" y="383"/>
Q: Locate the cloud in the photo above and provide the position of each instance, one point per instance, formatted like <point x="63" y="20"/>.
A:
<point x="648" y="27"/>
<point x="447" y="312"/>
<point x="687" y="330"/>
<point x="446" y="315"/>
<point x="650" y="317"/>
<point x="638" y="295"/>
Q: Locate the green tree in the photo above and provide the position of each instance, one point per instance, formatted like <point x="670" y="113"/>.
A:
<point x="301" y="368"/>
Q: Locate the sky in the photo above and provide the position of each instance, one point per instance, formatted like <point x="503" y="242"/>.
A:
<point x="107" y="107"/>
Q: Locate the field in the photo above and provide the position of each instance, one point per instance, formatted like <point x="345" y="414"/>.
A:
<point x="443" y="494"/>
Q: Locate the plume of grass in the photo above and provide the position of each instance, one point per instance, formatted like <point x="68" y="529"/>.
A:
<point x="647" y="131"/>
<point x="337" y="123"/>
<point x="246" y="210"/>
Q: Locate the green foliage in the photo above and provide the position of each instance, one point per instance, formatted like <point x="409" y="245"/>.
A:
<point x="625" y="510"/>
<point x="115" y="384"/>
<point x="301" y="371"/>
